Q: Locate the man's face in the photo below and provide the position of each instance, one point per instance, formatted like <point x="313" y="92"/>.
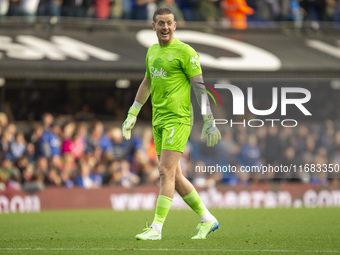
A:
<point x="164" y="27"/>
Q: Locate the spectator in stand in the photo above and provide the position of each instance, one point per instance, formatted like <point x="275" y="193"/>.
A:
<point x="114" y="174"/>
<point x="229" y="148"/>
<point x="273" y="146"/>
<point x="77" y="8"/>
<point x="100" y="169"/>
<point x="68" y="163"/>
<point x="28" y="173"/>
<point x="3" y="121"/>
<point x="4" y="5"/>
<point x="142" y="167"/>
<point x="98" y="143"/>
<point x="30" y="152"/>
<point x="14" y="8"/>
<point x="336" y="14"/>
<point x="53" y="178"/>
<point x="175" y="9"/>
<point x="236" y="11"/>
<point x="67" y="134"/>
<point x="268" y="10"/>
<point x="22" y="163"/>
<point x="41" y="167"/>
<point x="144" y="161"/>
<point x="7" y="169"/>
<point x="250" y="152"/>
<point x="117" y="9"/>
<point x="103" y="8"/>
<point x="55" y="162"/>
<point x="289" y="158"/>
<point x="50" y="142"/>
<point x="188" y="8"/>
<point x="50" y="8"/>
<point x="14" y="182"/>
<point x="18" y="146"/>
<point x="5" y="142"/>
<point x="143" y="9"/>
<point x="67" y="179"/>
<point x="121" y="147"/>
<point x="29" y="8"/>
<point x="79" y="141"/>
<point x="295" y="13"/>
<point x="35" y="137"/>
<point x="127" y="9"/>
<point x="301" y="137"/>
<point x="86" y="179"/>
<point x="320" y="158"/>
<point x="129" y="178"/>
<point x="315" y="11"/>
<point x="85" y="114"/>
<point x="209" y="10"/>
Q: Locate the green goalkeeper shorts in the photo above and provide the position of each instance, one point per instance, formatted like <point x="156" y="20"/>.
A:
<point x="172" y="137"/>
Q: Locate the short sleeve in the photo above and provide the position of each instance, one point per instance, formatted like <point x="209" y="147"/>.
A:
<point x="191" y="62"/>
<point x="147" y="72"/>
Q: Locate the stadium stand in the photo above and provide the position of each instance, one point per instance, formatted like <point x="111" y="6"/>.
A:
<point x="61" y="111"/>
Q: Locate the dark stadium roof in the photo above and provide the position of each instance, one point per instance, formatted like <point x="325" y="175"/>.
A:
<point x="117" y="51"/>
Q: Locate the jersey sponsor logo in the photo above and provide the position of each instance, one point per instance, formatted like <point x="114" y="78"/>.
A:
<point x="195" y="62"/>
<point x="155" y="73"/>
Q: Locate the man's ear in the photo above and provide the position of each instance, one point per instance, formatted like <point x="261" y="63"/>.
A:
<point x="175" y="25"/>
<point x="153" y="26"/>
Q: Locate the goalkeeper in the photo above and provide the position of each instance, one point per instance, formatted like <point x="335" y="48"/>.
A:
<point x="172" y="67"/>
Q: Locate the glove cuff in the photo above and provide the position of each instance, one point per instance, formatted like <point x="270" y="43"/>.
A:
<point x="208" y="117"/>
<point x="135" y="108"/>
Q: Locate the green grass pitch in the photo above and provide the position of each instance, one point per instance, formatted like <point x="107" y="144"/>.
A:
<point x="242" y="231"/>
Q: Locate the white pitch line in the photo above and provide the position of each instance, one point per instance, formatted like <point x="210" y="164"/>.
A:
<point x="163" y="249"/>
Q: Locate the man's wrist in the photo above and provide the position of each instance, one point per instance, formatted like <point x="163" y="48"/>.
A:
<point x="138" y="105"/>
<point x="135" y="108"/>
<point x="208" y="116"/>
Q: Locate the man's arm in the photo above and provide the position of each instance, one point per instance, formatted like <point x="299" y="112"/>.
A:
<point x="142" y="95"/>
<point x="209" y="131"/>
<point x="196" y="83"/>
<point x="143" y="92"/>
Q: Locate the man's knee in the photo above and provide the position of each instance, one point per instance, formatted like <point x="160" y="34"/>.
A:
<point x="166" y="173"/>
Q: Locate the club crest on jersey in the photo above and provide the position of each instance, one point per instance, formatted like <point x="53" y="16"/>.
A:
<point x="171" y="57"/>
<point x="155" y="73"/>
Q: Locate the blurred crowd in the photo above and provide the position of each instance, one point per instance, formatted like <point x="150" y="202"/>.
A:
<point x="308" y="153"/>
<point x="237" y="12"/>
<point x="64" y="153"/>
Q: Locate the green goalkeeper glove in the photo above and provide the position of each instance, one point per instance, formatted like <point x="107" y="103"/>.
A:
<point x="131" y="119"/>
<point x="209" y="131"/>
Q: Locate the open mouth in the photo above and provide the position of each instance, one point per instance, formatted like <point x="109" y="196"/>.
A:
<point x="165" y="33"/>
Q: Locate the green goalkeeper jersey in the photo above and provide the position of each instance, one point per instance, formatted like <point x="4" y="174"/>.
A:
<point x="169" y="69"/>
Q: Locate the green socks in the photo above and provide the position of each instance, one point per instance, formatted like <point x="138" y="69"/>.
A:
<point x="195" y="202"/>
<point x="162" y="209"/>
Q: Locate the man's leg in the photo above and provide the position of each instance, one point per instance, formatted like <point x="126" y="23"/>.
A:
<point x="189" y="194"/>
<point x="167" y="170"/>
<point x="168" y="162"/>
